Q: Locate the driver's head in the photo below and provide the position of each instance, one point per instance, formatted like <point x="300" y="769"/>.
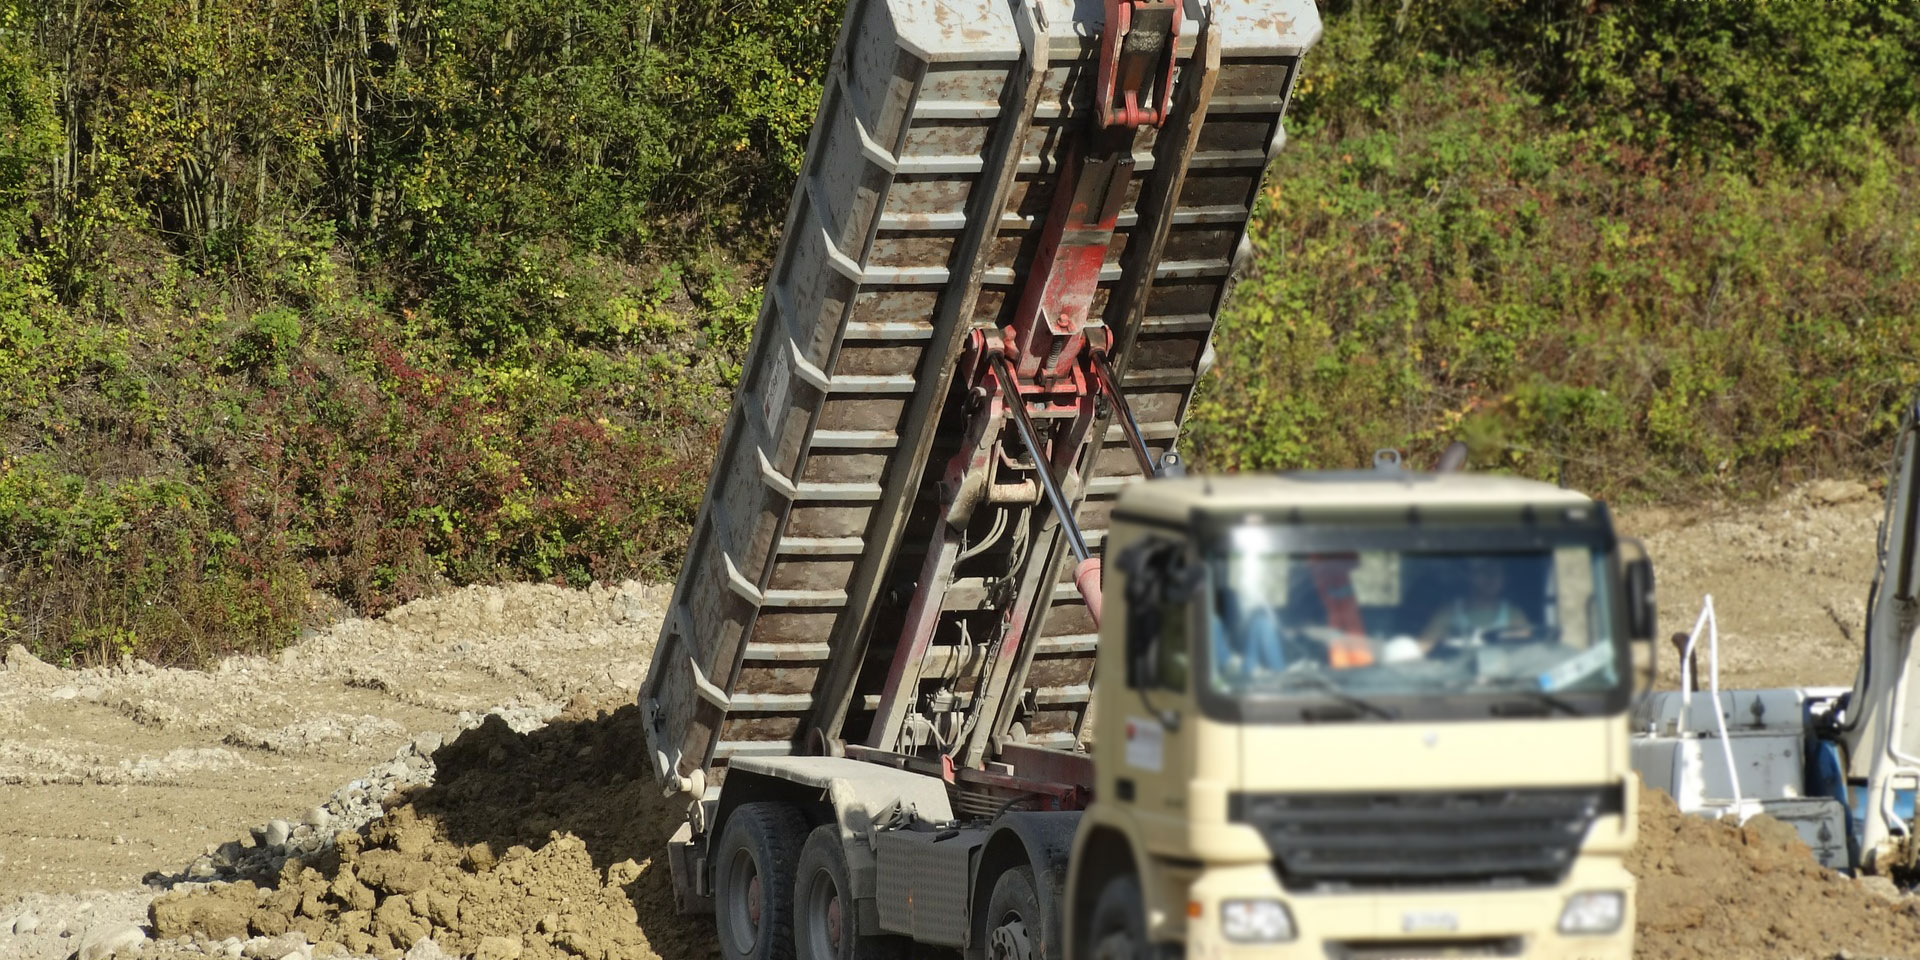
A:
<point x="1486" y="578"/>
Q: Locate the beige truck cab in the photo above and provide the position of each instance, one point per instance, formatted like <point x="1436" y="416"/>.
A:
<point x="1361" y="714"/>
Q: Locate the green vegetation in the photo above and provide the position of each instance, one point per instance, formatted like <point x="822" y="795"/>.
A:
<point x="1662" y="249"/>
<point x="348" y="299"/>
<point x="338" y="299"/>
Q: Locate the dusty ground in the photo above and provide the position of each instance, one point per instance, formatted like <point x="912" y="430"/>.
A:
<point x="462" y="778"/>
<point x="112" y="776"/>
<point x="1789" y="582"/>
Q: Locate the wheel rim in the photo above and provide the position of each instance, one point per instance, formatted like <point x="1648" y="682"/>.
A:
<point x="1009" y="940"/>
<point x="824" y="918"/>
<point x="743" y="902"/>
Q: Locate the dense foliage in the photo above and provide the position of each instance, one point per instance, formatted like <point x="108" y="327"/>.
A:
<point x="345" y="300"/>
<point x="1660" y="249"/>
<point x="350" y="299"/>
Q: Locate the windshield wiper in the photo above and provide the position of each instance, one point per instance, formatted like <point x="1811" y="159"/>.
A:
<point x="1538" y="703"/>
<point x="1353" y="706"/>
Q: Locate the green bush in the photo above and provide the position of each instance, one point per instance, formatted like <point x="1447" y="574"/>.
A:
<point x="98" y="569"/>
<point x="1449" y="258"/>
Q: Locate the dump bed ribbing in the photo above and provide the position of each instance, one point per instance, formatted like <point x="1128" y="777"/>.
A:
<point x="926" y="187"/>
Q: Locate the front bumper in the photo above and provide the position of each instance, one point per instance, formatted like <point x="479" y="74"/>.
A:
<point x="1469" y="922"/>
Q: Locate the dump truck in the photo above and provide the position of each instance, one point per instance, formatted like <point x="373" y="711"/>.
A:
<point x="948" y="498"/>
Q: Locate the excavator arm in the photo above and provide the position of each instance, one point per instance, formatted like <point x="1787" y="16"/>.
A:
<point x="1879" y="728"/>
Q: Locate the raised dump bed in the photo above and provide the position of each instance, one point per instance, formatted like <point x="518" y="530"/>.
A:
<point x="928" y="177"/>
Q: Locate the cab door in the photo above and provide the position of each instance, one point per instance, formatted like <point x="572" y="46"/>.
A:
<point x="1150" y="714"/>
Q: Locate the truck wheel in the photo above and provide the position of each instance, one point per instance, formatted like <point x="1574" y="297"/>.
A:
<point x="753" y="881"/>
<point x="1016" y="929"/>
<point x="826" y="923"/>
<point x="1119" y="927"/>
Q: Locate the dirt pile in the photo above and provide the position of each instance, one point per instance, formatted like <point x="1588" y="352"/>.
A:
<point x="532" y="846"/>
<point x="1714" y="889"/>
<point x="110" y="773"/>
<point x="547" y="845"/>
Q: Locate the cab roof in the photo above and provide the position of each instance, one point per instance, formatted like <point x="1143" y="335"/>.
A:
<point x="1175" y="499"/>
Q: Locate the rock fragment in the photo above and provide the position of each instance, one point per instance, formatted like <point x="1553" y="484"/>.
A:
<point x="426" y="949"/>
<point x="107" y="940"/>
<point x="214" y="917"/>
<point x="497" y="948"/>
<point x="22" y="663"/>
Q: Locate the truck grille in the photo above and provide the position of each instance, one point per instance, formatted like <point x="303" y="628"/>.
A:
<point x="1516" y="838"/>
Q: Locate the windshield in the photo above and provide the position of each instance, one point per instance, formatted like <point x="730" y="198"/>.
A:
<point x="1385" y="623"/>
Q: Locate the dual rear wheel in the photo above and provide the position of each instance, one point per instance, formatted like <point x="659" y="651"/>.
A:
<point x="782" y="891"/>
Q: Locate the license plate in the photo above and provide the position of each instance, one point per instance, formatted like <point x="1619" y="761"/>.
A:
<point x="1429" y="921"/>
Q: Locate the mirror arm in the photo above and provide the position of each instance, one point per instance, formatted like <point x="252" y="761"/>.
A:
<point x="1167" y="718"/>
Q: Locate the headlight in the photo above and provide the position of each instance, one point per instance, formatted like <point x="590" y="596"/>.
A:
<point x="1595" y="911"/>
<point x="1256" y="921"/>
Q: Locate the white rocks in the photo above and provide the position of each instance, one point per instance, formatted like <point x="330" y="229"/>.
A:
<point x="630" y="607"/>
<point x="25" y="923"/>
<point x="24" y="664"/>
<point x="425" y="949"/>
<point x="426" y="743"/>
<point x="106" y="940"/>
<point x="291" y="946"/>
<point x="278" y="832"/>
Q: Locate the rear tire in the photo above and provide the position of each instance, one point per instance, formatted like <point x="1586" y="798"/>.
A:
<point x="1118" y="930"/>
<point x="1016" y="929"/>
<point x="826" y="920"/>
<point x="753" y="881"/>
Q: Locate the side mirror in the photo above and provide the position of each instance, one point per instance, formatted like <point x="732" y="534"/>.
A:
<point x="1143" y="649"/>
<point x="1641" y="618"/>
<point x="1157" y="573"/>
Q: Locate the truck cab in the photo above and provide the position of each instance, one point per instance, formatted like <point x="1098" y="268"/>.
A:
<point x="1359" y="714"/>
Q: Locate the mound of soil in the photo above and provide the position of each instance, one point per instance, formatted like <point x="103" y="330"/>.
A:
<point x="546" y="845"/>
<point x="1714" y="889"/>
<point x="533" y="846"/>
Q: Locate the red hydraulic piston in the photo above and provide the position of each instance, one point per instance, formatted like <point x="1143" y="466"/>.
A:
<point x="1133" y="89"/>
<point x="1044" y="339"/>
